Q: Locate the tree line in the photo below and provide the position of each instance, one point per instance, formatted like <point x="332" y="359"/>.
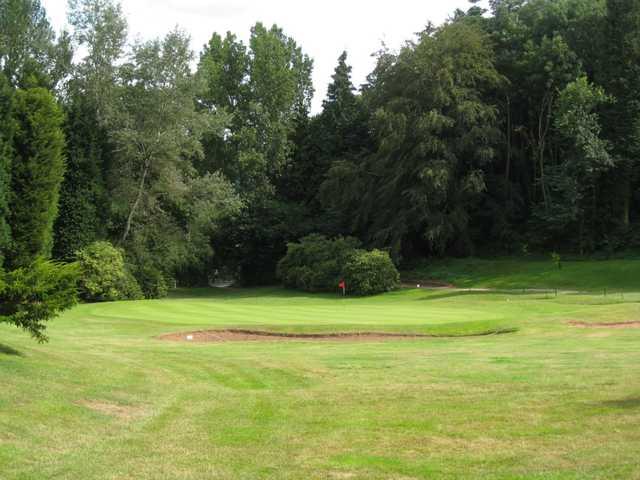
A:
<point x="508" y="129"/>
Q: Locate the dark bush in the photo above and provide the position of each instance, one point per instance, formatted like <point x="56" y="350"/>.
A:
<point x="130" y="288"/>
<point x="251" y="243"/>
<point x="152" y="282"/>
<point x="317" y="264"/>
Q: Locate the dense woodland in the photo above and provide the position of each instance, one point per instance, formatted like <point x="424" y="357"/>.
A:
<point x="511" y="130"/>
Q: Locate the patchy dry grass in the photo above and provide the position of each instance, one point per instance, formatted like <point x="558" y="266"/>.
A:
<point x="125" y="412"/>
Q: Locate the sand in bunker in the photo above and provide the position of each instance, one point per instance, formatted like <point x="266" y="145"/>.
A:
<point x="237" y="335"/>
<point x="634" y="324"/>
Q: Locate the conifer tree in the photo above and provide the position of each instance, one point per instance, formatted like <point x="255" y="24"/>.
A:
<point x="339" y="132"/>
<point x="37" y="172"/>
<point x="6" y="138"/>
<point x="340" y="111"/>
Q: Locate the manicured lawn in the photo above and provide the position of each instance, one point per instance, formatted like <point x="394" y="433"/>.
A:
<point x="105" y="399"/>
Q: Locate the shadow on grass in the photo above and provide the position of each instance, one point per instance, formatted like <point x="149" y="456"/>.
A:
<point x="284" y="293"/>
<point x="252" y="292"/>
<point x="632" y="402"/>
<point x="7" y="350"/>
<point x="488" y="292"/>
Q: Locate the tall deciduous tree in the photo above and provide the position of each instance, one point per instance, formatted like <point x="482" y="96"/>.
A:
<point x="223" y="73"/>
<point x="280" y="93"/>
<point x="620" y="76"/>
<point x="101" y="29"/>
<point x="266" y="88"/>
<point x="583" y="158"/>
<point x="156" y="131"/>
<point x="30" y="54"/>
<point x="155" y="127"/>
<point x="435" y="134"/>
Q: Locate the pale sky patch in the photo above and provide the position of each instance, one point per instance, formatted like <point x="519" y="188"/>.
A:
<point x="322" y="28"/>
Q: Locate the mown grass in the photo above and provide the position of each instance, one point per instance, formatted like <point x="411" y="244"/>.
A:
<point x="105" y="399"/>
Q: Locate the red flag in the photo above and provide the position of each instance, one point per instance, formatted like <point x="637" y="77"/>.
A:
<point x="342" y="284"/>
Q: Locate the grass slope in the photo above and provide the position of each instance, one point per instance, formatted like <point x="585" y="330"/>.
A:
<point x="518" y="273"/>
<point x="106" y="400"/>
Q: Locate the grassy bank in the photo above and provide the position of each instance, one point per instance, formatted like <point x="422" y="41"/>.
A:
<point x="517" y="273"/>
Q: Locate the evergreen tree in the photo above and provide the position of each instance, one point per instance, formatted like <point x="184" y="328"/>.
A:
<point x="339" y="132"/>
<point x="31" y="296"/>
<point x="6" y="153"/>
<point x="37" y="172"/>
<point x="84" y="208"/>
<point x="343" y="116"/>
<point x="340" y="94"/>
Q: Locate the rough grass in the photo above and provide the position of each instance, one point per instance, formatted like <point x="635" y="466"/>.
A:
<point x="106" y="400"/>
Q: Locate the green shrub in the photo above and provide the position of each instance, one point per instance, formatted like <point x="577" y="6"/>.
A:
<point x="104" y="276"/>
<point x="368" y="273"/>
<point x="317" y="263"/>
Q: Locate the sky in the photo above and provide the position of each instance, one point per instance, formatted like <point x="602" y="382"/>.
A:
<point x="323" y="28"/>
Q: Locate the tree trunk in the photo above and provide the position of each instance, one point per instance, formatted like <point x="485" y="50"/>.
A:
<point x="542" y="182"/>
<point x="624" y="180"/>
<point x="134" y="207"/>
<point x="544" y="121"/>
<point x="507" y="170"/>
<point x="626" y="203"/>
